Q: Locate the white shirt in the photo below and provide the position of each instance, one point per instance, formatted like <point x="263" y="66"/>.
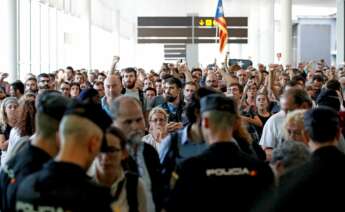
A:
<point x="150" y="140"/>
<point x="121" y="205"/>
<point x="273" y="134"/>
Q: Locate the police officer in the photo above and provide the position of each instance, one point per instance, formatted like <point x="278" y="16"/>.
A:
<point x="222" y="178"/>
<point x="62" y="184"/>
<point x="51" y="106"/>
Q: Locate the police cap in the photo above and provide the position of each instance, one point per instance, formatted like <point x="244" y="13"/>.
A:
<point x="218" y="102"/>
<point x="53" y="104"/>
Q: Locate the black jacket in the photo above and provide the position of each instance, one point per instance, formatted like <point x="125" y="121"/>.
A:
<point x="29" y="160"/>
<point x="61" y="186"/>
<point x="317" y="185"/>
<point x="221" y="179"/>
<point x="154" y="168"/>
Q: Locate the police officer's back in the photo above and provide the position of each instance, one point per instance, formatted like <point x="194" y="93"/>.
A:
<point x="62" y="185"/>
<point x="222" y="178"/>
<point x="33" y="154"/>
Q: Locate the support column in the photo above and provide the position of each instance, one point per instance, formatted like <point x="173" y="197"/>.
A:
<point x="192" y="50"/>
<point x="340" y="32"/>
<point x="286" y="31"/>
<point x="192" y="55"/>
<point x="89" y="30"/>
<point x="8" y="39"/>
<point x="266" y="31"/>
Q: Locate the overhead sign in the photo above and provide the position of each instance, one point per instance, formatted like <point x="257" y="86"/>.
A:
<point x="184" y="30"/>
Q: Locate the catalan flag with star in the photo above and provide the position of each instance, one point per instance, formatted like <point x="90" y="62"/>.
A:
<point x="222" y="26"/>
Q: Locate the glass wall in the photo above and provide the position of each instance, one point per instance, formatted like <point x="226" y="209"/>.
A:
<point x="54" y="34"/>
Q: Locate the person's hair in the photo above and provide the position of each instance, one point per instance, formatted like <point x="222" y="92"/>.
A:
<point x="65" y="82"/>
<point x="44" y="129"/>
<point x="31" y="79"/>
<point x="3" y="115"/>
<point x="98" y="83"/>
<point x="80" y="74"/>
<point x="18" y="85"/>
<point x="158" y="110"/>
<point x="285" y="75"/>
<point x="51" y="76"/>
<point x="291" y="83"/>
<point x="118" y="134"/>
<point x="70" y="68"/>
<point x="192" y="83"/>
<point x="318" y="78"/>
<point x="291" y="154"/>
<point x="130" y="70"/>
<point x="151" y="89"/>
<point x="333" y="85"/>
<point x="298" y="78"/>
<point x="102" y="74"/>
<point x="43" y="75"/>
<point x="240" y="87"/>
<point x="115" y="106"/>
<point x="158" y="80"/>
<point x="299" y="96"/>
<point x="174" y="81"/>
<point x="75" y="84"/>
<point x="222" y="120"/>
<point x="295" y="117"/>
<point x="196" y="69"/>
<point x="26" y="118"/>
<point x="241" y="133"/>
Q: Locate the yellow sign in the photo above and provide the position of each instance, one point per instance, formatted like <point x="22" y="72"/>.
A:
<point x="209" y="22"/>
<point x="201" y="22"/>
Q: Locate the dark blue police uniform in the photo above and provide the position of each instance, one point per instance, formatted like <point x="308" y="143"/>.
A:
<point x="221" y="179"/>
<point x="62" y="186"/>
<point x="29" y="160"/>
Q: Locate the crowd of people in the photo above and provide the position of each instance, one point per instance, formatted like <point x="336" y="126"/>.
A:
<point x="222" y="138"/>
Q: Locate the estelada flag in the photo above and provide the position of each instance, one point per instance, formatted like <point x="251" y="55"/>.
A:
<point x="222" y="26"/>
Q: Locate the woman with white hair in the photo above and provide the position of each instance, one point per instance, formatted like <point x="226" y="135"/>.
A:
<point x="294" y="126"/>
<point x="158" y="120"/>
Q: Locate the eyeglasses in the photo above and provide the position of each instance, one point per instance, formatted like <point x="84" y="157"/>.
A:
<point x="158" y="120"/>
<point x="112" y="150"/>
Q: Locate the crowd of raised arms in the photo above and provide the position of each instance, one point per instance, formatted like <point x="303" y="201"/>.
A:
<point x="137" y="140"/>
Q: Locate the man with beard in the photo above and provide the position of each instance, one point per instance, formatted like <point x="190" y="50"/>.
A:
<point x="128" y="116"/>
<point x="188" y="91"/>
<point x="31" y="85"/>
<point x="43" y="82"/>
<point x="173" y="104"/>
<point x="129" y="89"/>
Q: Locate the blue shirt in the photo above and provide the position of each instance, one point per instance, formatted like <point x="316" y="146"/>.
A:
<point x="186" y="148"/>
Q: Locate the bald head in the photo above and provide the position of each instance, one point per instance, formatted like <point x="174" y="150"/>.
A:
<point x="78" y="130"/>
<point x="112" y="86"/>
